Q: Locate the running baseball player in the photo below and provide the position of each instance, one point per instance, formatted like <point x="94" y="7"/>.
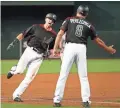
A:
<point x="77" y="29"/>
<point x="41" y="38"/>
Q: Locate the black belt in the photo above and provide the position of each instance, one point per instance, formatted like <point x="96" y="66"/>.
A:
<point x="36" y="50"/>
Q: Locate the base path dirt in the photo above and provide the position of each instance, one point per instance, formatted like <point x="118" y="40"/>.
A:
<point x="105" y="89"/>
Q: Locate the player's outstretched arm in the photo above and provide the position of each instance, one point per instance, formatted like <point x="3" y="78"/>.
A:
<point x="101" y="43"/>
<point x="16" y="40"/>
<point x="20" y="36"/>
<point x="28" y="32"/>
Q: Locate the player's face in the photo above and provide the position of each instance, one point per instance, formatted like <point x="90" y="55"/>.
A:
<point x="49" y="21"/>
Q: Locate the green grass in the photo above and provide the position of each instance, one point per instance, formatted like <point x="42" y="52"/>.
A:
<point x="53" y="66"/>
<point x="6" y="105"/>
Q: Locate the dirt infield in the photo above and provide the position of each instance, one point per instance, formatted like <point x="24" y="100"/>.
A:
<point x="105" y="89"/>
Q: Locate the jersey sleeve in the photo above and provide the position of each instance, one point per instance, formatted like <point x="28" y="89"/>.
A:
<point x="93" y="33"/>
<point x="64" y="26"/>
<point x="29" y="31"/>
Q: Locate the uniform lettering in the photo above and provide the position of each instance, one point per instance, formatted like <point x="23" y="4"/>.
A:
<point x="80" y="22"/>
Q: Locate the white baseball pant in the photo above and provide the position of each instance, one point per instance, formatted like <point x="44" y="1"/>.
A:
<point x="73" y="53"/>
<point x="32" y="60"/>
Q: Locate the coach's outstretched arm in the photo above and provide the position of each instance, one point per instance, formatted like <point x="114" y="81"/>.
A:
<point x="100" y="42"/>
<point x="57" y="41"/>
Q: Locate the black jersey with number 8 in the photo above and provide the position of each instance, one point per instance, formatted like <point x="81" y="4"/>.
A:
<point x="78" y="30"/>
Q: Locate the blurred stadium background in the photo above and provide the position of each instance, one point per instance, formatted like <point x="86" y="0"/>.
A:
<point x="17" y="16"/>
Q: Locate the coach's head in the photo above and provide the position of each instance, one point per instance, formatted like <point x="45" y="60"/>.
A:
<point x="50" y="18"/>
<point x="82" y="11"/>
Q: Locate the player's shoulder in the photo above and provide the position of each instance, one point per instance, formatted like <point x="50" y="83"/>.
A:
<point x="35" y="25"/>
<point x="91" y="25"/>
<point x="38" y="25"/>
<point x="87" y="21"/>
<point x="42" y="26"/>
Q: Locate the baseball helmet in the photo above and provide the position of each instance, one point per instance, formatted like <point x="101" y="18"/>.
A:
<point x="51" y="16"/>
<point x="83" y="9"/>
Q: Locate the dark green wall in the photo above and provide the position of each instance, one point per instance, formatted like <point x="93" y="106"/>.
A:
<point x="103" y="15"/>
<point x="15" y="19"/>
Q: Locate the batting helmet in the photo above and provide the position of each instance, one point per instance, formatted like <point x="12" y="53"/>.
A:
<point x="51" y="16"/>
<point x="83" y="9"/>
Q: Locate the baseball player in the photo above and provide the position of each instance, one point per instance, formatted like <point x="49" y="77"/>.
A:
<point x="41" y="38"/>
<point x="77" y="29"/>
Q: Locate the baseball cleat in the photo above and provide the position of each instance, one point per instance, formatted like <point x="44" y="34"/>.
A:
<point x="57" y="105"/>
<point x="13" y="69"/>
<point x="17" y="99"/>
<point x="9" y="75"/>
<point x="86" y="105"/>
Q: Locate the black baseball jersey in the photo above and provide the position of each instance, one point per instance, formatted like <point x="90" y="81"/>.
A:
<point x="78" y="30"/>
<point x="39" y="38"/>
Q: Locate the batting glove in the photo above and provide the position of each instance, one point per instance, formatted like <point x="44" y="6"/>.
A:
<point x="10" y="45"/>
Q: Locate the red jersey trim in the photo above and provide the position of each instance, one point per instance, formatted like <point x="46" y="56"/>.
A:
<point x="52" y="31"/>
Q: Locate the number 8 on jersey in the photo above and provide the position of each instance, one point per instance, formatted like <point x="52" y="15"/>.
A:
<point x="78" y="31"/>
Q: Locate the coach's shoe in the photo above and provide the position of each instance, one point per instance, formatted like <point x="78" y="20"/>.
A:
<point x="13" y="69"/>
<point x="18" y="99"/>
<point x="86" y="105"/>
<point x="57" y="105"/>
